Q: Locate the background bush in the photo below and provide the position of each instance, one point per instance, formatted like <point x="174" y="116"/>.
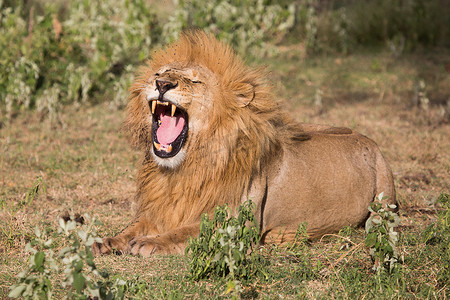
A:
<point x="347" y="25"/>
<point x="54" y="53"/>
<point x="248" y="25"/>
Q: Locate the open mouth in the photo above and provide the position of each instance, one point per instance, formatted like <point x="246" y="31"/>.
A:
<point x="169" y="128"/>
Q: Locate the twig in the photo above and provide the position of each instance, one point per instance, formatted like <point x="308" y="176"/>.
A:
<point x="353" y="250"/>
<point x="335" y="235"/>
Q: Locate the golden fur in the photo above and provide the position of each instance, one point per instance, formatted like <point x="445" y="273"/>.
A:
<point x="238" y="139"/>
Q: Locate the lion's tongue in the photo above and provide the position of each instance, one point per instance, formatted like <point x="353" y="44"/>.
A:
<point x="169" y="129"/>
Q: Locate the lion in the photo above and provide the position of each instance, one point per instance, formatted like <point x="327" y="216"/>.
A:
<point x="212" y="133"/>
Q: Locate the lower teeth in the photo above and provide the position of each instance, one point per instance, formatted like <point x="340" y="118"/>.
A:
<point x="159" y="147"/>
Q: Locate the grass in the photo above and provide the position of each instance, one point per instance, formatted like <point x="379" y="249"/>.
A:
<point x="87" y="167"/>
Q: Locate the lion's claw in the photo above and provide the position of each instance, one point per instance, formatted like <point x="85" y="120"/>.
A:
<point x="108" y="246"/>
<point x="145" y="246"/>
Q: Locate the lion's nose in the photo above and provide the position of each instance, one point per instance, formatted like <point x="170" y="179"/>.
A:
<point x="164" y="86"/>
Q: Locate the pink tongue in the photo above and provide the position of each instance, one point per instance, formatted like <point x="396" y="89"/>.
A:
<point x="169" y="129"/>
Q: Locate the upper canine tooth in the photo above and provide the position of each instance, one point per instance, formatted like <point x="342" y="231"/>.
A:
<point x="153" y="106"/>
<point x="174" y="108"/>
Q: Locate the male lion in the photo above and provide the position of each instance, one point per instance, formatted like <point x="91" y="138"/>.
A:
<point x="212" y="133"/>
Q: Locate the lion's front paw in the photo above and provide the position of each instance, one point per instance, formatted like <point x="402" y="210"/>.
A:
<point x="146" y="246"/>
<point x="109" y="245"/>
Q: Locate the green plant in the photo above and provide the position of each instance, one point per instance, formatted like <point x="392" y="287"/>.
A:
<point x="343" y="26"/>
<point x="96" y="27"/>
<point x="54" y="53"/>
<point x="310" y="21"/>
<point x="225" y="246"/>
<point x="247" y="24"/>
<point x="34" y="282"/>
<point x="80" y="270"/>
<point x="299" y="244"/>
<point x="82" y="279"/>
<point x="13" y="209"/>
<point x="381" y="238"/>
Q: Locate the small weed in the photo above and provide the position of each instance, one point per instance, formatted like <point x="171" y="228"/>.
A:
<point x="223" y="246"/>
<point x="34" y="282"/>
<point x="381" y="238"/>
<point x="80" y="272"/>
<point x="300" y="240"/>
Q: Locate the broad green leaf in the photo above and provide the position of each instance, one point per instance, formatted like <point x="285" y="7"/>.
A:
<point x="17" y="291"/>
<point x="371" y="239"/>
<point x="39" y="259"/>
<point x="78" y="281"/>
<point x="78" y="266"/>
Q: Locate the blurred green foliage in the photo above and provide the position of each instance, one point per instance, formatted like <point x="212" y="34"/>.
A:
<point x="58" y="52"/>
<point x="251" y="26"/>
<point x="71" y="51"/>
<point x="417" y="22"/>
<point x="74" y="264"/>
<point x="347" y="25"/>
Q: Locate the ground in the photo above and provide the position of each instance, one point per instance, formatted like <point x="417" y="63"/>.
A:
<point x="87" y="166"/>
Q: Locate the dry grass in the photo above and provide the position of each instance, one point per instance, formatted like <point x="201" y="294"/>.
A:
<point x="88" y="167"/>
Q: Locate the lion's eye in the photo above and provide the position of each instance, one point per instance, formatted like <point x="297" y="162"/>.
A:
<point x="196" y="81"/>
<point x="157" y="74"/>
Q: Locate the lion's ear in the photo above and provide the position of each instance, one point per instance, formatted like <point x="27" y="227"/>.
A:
<point x="245" y="93"/>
